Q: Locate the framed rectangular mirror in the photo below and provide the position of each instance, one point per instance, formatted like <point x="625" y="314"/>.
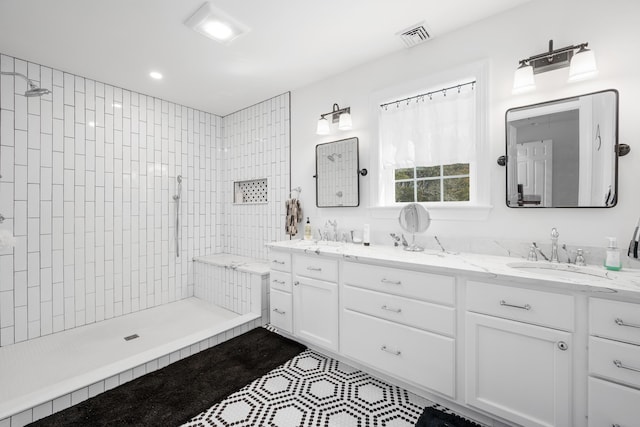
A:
<point x="563" y="153"/>
<point x="337" y="183"/>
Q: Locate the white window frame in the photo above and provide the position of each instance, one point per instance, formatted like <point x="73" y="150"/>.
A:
<point x="478" y="207"/>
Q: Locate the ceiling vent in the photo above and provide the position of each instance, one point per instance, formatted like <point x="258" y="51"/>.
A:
<point x="414" y="35"/>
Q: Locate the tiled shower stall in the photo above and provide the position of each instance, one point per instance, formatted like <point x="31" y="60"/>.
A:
<point x="88" y="178"/>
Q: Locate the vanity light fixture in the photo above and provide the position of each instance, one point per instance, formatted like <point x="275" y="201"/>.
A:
<point x="215" y="24"/>
<point x="582" y="65"/>
<point x="340" y="115"/>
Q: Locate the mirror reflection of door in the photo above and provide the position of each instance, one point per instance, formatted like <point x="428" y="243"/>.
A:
<point x="577" y="167"/>
<point x="535" y="173"/>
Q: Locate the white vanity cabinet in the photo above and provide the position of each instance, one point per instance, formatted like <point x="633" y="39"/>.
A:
<point x="515" y="368"/>
<point x="280" y="287"/>
<point x="315" y="300"/>
<point x="400" y="322"/>
<point x="614" y="363"/>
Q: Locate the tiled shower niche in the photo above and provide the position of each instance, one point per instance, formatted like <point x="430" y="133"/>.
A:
<point x="250" y="192"/>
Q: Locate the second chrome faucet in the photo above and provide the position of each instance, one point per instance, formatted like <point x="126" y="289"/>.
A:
<point x="554" y="244"/>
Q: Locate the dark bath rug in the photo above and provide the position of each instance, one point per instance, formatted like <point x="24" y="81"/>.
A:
<point x="174" y="394"/>
<point x="434" y="417"/>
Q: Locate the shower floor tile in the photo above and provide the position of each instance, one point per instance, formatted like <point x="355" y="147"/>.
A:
<point x="313" y="389"/>
<point x="40" y="370"/>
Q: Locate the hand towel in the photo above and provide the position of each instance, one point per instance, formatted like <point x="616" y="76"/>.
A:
<point x="294" y="216"/>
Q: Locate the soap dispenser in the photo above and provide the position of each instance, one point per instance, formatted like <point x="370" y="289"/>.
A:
<point x="307" y="230"/>
<point x="612" y="261"/>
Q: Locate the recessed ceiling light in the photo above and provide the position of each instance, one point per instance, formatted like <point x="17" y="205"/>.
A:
<point x="217" y="30"/>
<point x="155" y="75"/>
<point x="215" y="24"/>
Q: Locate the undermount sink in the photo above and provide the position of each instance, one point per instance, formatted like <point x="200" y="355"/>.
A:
<point x="567" y="271"/>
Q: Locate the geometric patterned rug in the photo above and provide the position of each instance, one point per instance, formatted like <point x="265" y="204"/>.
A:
<point x="314" y="390"/>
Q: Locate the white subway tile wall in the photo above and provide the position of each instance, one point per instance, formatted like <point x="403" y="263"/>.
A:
<point x="88" y="175"/>
<point x="256" y="146"/>
<point x="223" y="286"/>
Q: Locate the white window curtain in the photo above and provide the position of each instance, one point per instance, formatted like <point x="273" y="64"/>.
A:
<point x="428" y="131"/>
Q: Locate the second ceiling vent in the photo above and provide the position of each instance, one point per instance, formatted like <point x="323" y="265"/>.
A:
<point x="414" y="35"/>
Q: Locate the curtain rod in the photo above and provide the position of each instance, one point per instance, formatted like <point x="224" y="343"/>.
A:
<point x="422" y="95"/>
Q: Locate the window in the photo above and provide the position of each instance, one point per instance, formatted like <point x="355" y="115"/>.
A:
<point x="443" y="183"/>
<point x="431" y="146"/>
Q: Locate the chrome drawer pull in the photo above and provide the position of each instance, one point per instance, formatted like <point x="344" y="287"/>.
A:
<point x="278" y="262"/>
<point x="621" y="366"/>
<point x="296" y="283"/>
<point x="280" y="282"/>
<point x="314" y="268"/>
<point x="391" y="282"/>
<point x="621" y="322"/>
<point x="395" y="353"/>
<point x="395" y="310"/>
<point x="523" y="307"/>
<point x="278" y="311"/>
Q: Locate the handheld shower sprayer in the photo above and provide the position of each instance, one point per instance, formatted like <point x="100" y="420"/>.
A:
<point x="33" y="90"/>
<point x="177" y="196"/>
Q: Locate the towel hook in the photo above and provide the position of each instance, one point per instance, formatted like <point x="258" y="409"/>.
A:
<point x="296" y="190"/>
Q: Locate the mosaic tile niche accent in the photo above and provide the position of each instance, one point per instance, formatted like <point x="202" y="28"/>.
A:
<point x="254" y="191"/>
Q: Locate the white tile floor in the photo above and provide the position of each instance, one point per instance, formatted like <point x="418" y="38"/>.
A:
<point x="314" y="390"/>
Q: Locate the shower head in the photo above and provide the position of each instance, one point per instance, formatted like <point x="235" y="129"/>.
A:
<point x="33" y="90"/>
<point x="36" y="91"/>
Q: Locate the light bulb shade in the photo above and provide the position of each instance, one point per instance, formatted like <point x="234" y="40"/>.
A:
<point x="323" y="127"/>
<point x="345" y="122"/>
<point x="523" y="80"/>
<point x="583" y="65"/>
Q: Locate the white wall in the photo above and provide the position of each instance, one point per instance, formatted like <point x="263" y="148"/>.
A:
<point x="612" y="32"/>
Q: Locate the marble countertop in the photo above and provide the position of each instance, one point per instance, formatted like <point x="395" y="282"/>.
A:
<point x="590" y="279"/>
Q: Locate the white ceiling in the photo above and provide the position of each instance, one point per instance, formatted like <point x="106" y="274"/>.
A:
<point x="292" y="43"/>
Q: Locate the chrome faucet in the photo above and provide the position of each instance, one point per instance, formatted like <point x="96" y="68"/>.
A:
<point x="554" y="245"/>
<point x="334" y="225"/>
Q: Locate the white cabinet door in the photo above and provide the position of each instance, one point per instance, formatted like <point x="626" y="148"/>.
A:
<point x="518" y="371"/>
<point x="315" y="312"/>
<point x="612" y="404"/>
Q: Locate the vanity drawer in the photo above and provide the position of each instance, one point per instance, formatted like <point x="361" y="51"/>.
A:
<point x="615" y="360"/>
<point x="612" y="404"/>
<point x="431" y="317"/>
<point x="316" y="267"/>
<point x="525" y="305"/>
<point x="280" y="261"/>
<point x="614" y="319"/>
<point x="280" y="281"/>
<point x="413" y="284"/>
<point x="407" y="353"/>
<point x="280" y="310"/>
